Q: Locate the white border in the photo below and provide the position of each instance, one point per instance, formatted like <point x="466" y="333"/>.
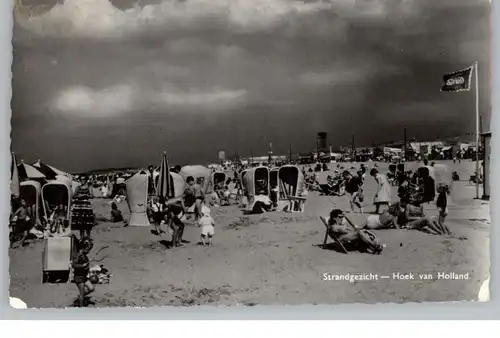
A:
<point x="359" y="311"/>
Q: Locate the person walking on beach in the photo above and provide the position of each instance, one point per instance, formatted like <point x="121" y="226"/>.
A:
<point x="383" y="194"/>
<point x="354" y="187"/>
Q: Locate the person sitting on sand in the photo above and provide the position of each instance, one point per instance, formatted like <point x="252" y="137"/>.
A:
<point x="207" y="223"/>
<point x="81" y="267"/>
<point x="116" y="214"/>
<point x="412" y="217"/>
<point x="354" y="187"/>
<point x="349" y="235"/>
<point x="262" y="203"/>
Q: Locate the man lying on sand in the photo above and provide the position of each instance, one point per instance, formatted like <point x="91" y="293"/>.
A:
<point x="388" y="219"/>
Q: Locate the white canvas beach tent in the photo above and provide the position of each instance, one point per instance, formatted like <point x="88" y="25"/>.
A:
<point x="137" y="198"/>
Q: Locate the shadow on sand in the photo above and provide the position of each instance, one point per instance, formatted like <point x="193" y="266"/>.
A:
<point x="335" y="247"/>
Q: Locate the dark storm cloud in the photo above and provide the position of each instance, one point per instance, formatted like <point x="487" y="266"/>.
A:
<point x="98" y="87"/>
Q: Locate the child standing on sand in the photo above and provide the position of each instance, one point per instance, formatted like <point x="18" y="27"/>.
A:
<point x="207" y="223"/>
<point x="80" y="265"/>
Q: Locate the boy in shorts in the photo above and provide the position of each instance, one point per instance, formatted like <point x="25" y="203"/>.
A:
<point x="354" y="188"/>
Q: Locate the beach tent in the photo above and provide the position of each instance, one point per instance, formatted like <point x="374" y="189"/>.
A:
<point x="291" y="188"/>
<point x="242" y="178"/>
<point x="14" y="177"/>
<point x="28" y="172"/>
<point x="137" y="198"/>
<point x="217" y="178"/>
<point x="31" y="192"/>
<point x="290" y="181"/>
<point x="50" y="172"/>
<point x="255" y="180"/>
<point x="57" y="192"/>
<point x="198" y="172"/>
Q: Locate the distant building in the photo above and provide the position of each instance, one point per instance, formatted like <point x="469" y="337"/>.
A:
<point x="425" y="148"/>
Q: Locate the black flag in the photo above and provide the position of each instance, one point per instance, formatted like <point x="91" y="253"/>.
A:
<point x="457" y="81"/>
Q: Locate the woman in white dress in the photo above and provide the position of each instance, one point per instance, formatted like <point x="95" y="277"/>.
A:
<point x="383" y="195"/>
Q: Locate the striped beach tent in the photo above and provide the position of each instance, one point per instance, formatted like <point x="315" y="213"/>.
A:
<point x="27" y="171"/>
<point x="14" y="178"/>
<point x="164" y="187"/>
<point x="49" y="171"/>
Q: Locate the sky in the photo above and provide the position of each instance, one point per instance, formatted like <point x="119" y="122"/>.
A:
<point x="115" y="83"/>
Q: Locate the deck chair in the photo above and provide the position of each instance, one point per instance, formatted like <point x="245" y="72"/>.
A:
<point x="329" y="234"/>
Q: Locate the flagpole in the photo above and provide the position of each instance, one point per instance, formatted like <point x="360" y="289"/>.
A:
<point x="477" y="131"/>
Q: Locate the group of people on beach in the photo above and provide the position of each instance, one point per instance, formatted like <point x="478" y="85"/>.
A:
<point x="173" y="212"/>
<point x="407" y="213"/>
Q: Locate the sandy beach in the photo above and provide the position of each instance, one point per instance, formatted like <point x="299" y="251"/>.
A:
<point x="274" y="259"/>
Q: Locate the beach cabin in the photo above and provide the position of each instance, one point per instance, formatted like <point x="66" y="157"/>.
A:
<point x="217" y="181"/>
<point x="137" y="198"/>
<point x="31" y="192"/>
<point x="55" y="193"/>
<point x="291" y="189"/>
<point x="256" y="182"/>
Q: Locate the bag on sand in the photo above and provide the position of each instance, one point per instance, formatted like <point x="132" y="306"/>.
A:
<point x="373" y="246"/>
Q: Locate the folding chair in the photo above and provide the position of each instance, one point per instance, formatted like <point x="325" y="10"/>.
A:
<point x="331" y="235"/>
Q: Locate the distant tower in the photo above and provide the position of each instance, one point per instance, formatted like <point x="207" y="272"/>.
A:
<point x="322" y="141"/>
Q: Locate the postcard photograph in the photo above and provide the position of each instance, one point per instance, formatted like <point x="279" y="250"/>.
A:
<point x="249" y="152"/>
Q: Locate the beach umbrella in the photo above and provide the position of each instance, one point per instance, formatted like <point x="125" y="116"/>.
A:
<point x="49" y="171"/>
<point x="27" y="171"/>
<point x="163" y="188"/>
<point x="14" y="178"/>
